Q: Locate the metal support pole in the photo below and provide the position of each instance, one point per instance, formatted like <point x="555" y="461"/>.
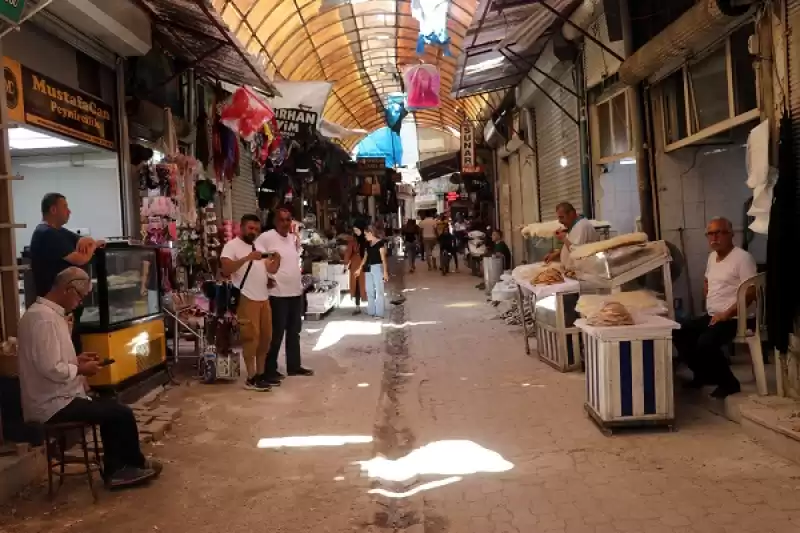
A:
<point x="548" y="95"/>
<point x="9" y="275"/>
<point x="532" y="65"/>
<point x="191" y="104"/>
<point x="129" y="191"/>
<point x="587" y="189"/>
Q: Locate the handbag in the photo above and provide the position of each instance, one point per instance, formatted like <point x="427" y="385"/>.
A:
<point x="236" y="292"/>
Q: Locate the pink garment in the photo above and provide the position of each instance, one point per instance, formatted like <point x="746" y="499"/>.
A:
<point x="422" y="83"/>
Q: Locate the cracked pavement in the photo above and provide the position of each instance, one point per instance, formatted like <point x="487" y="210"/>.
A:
<point x="445" y="371"/>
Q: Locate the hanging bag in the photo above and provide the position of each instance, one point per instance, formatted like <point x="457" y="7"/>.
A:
<point x="236" y="292"/>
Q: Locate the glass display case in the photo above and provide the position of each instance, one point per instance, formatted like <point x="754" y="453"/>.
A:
<point x="124" y="288"/>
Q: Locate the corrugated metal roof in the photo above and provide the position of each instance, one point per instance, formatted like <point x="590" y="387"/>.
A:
<point x="192" y="30"/>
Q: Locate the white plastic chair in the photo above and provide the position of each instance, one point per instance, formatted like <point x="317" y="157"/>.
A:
<point x="754" y="336"/>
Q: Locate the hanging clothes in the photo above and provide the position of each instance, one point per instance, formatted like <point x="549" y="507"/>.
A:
<point x="202" y="143"/>
<point x="783" y="284"/>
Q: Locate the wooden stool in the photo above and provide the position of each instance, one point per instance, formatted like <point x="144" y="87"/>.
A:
<point x="56" y="444"/>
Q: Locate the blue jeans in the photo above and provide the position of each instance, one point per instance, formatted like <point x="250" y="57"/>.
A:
<point x="375" y="301"/>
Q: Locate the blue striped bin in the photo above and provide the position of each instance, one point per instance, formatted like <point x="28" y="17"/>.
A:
<point x="629" y="382"/>
<point x="559" y="347"/>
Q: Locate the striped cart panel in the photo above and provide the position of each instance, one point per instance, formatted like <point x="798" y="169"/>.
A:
<point x="629" y="380"/>
<point x="560" y="348"/>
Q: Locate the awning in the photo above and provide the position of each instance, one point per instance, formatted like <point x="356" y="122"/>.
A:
<point x="191" y="30"/>
<point x="693" y="32"/>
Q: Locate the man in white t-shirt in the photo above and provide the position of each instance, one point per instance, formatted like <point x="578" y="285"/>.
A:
<point x="247" y="267"/>
<point x="286" y="297"/>
<point x="700" y="340"/>
<point x="427" y="227"/>
<point x="578" y="231"/>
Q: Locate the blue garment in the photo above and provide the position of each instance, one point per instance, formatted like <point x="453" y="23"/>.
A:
<point x="375" y="300"/>
<point x="49" y="247"/>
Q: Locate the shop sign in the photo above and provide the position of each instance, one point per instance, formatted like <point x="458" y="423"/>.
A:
<point x="35" y="99"/>
<point x="452" y="196"/>
<point x="468" y="162"/>
<point x="11" y="10"/>
<point x="296" y="123"/>
<point x="371" y="166"/>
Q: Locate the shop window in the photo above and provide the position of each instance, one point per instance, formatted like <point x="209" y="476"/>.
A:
<point x="708" y="90"/>
<point x="613" y="127"/>
<point x="674" y="108"/>
<point x="711" y="94"/>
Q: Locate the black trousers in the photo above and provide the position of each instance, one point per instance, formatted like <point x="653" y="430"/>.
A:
<point x="699" y="345"/>
<point x="287" y="314"/>
<point x="358" y="291"/>
<point x="117" y="429"/>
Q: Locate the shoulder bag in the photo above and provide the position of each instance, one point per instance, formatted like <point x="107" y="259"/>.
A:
<point x="236" y="292"/>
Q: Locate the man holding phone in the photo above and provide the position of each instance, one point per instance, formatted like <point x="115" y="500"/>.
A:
<point x="53" y="388"/>
<point x="248" y="266"/>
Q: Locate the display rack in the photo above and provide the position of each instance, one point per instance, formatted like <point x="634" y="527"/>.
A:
<point x="608" y="272"/>
<point x="558" y="341"/>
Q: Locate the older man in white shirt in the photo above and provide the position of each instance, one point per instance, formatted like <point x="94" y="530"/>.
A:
<point x="700" y="340"/>
<point x="52" y="379"/>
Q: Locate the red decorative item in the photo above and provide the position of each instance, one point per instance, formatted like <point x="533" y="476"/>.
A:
<point x="245" y="113"/>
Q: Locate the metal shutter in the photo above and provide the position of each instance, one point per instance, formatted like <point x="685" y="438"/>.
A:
<point x="243" y="192"/>
<point x="93" y="48"/>
<point x="557" y="139"/>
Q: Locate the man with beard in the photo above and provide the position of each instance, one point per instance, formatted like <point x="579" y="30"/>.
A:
<point x="248" y="268"/>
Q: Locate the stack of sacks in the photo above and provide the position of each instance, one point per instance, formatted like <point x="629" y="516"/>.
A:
<point x="760" y="177"/>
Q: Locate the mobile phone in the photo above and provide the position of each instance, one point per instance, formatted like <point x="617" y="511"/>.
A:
<point x="267" y="255"/>
<point x="106" y="362"/>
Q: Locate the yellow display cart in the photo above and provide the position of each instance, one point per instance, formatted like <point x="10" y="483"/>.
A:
<point x="122" y="318"/>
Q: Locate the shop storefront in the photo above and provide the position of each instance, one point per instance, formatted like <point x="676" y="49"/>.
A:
<point x="63" y="105"/>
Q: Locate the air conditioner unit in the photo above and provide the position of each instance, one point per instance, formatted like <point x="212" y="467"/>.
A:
<point x="492" y="136"/>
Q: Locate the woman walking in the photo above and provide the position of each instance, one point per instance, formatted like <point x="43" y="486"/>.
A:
<point x="376" y="272"/>
<point x="353" y="257"/>
<point x="411" y="238"/>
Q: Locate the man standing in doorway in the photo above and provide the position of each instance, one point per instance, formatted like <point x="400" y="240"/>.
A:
<point x="55" y="248"/>
<point x="248" y="271"/>
<point x="286" y="298"/>
<point x="427" y="227"/>
<point x="578" y="231"/>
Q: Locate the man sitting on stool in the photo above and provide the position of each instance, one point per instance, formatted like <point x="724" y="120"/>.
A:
<point x="700" y="340"/>
<point x="53" y="386"/>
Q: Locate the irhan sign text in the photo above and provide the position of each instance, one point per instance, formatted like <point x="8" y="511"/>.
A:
<point x="11" y="10"/>
<point x="295" y="123"/>
<point x="468" y="163"/>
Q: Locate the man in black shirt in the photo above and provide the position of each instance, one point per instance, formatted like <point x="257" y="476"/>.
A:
<point x="500" y="249"/>
<point x="447" y="249"/>
<point x="54" y="248"/>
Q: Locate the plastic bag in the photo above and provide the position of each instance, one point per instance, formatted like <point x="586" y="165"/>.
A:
<point x="432" y="17"/>
<point x="245" y="113"/>
<point x="422" y="82"/>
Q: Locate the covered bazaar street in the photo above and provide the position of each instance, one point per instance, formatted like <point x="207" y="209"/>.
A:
<point x="440" y="370"/>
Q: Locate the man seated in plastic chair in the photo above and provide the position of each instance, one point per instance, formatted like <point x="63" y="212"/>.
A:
<point x="700" y="340"/>
<point x="52" y="378"/>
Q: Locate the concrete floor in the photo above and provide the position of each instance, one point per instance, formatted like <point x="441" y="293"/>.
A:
<point x="439" y="370"/>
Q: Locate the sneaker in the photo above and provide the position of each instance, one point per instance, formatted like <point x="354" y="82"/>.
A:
<point x="257" y="384"/>
<point x="723" y="391"/>
<point x="129" y="476"/>
<point x="307" y="372"/>
<point x="271" y="380"/>
<point x="357" y="312"/>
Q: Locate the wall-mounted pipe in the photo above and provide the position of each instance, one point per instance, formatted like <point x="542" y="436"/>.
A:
<point x="584" y="14"/>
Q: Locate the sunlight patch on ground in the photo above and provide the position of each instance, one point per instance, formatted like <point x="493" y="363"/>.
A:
<point x="416" y="490"/>
<point x="313" y="441"/>
<point x="336" y="331"/>
<point x="444" y="458"/>
<point x="462" y="305"/>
